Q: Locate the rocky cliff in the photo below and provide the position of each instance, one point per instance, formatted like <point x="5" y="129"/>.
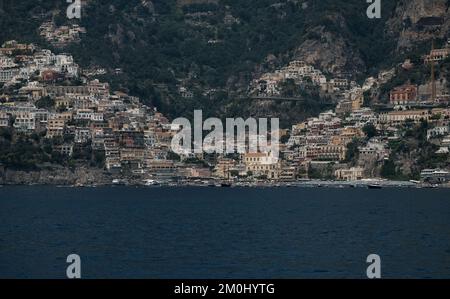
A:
<point x="416" y="21"/>
<point x="331" y="53"/>
<point x="60" y="176"/>
<point x="339" y="47"/>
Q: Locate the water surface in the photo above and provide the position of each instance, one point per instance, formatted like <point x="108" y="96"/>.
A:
<point x="125" y="232"/>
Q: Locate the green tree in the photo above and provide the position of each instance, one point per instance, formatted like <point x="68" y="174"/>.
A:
<point x="370" y="130"/>
<point x="388" y="170"/>
<point x="352" y="154"/>
<point x="45" y="103"/>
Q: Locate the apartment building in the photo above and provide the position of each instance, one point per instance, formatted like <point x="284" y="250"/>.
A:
<point x="351" y="174"/>
<point x="398" y="117"/>
<point x="55" y="126"/>
<point x="5" y="120"/>
<point x="404" y="95"/>
<point x="262" y="164"/>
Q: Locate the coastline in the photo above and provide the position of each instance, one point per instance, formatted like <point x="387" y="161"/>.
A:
<point x="88" y="177"/>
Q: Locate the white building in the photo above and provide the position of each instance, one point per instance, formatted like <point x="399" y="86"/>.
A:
<point x="97" y="116"/>
<point x="362" y="117"/>
<point x="24" y="121"/>
<point x="4" y="120"/>
<point x="82" y="135"/>
<point x="84" y="114"/>
<point x="435" y="175"/>
<point x="6" y="62"/>
<point x="375" y="149"/>
<point x="437" y="132"/>
<point x="8" y="74"/>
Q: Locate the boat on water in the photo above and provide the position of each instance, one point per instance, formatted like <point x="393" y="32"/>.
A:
<point x="374" y="186"/>
<point x="430" y="186"/>
<point x="118" y="182"/>
<point x="226" y="184"/>
<point x="151" y="183"/>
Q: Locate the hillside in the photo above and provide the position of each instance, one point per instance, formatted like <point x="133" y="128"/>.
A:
<point x="215" y="48"/>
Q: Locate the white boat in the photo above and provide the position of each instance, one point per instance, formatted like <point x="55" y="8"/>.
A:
<point x="150" y="183"/>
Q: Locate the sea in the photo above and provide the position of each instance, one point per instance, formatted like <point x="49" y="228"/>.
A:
<point x="223" y="233"/>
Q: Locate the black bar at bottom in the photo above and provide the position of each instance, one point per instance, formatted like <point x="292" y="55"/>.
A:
<point x="225" y="288"/>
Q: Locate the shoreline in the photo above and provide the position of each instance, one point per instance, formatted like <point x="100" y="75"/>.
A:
<point x="88" y="177"/>
<point x="375" y="184"/>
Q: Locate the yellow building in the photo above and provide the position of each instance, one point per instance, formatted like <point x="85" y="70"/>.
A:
<point x="357" y="103"/>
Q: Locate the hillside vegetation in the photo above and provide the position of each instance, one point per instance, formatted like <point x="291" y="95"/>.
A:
<point x="216" y="46"/>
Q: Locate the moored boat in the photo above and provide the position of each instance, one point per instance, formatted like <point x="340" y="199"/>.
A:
<point x="374" y="186"/>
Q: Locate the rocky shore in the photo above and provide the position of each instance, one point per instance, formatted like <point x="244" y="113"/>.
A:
<point x="56" y="176"/>
<point x="85" y="177"/>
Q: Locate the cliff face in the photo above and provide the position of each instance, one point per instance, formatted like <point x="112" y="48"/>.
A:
<point x="406" y="24"/>
<point x="331" y="53"/>
<point x="83" y="176"/>
<point x="418" y="9"/>
<point x="417" y="21"/>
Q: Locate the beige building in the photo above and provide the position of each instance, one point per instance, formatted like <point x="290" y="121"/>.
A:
<point x="327" y="152"/>
<point x="262" y="164"/>
<point x="63" y="102"/>
<point x="55" y="126"/>
<point x="33" y="92"/>
<point x="131" y="154"/>
<point x="66" y="116"/>
<point x="223" y="168"/>
<point x="398" y="117"/>
<point x="437" y="55"/>
<point x="346" y="136"/>
<point x="351" y="174"/>
<point x="288" y="173"/>
<point x="198" y="173"/>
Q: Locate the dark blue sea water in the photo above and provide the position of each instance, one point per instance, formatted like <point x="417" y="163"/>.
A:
<point x="126" y="232"/>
